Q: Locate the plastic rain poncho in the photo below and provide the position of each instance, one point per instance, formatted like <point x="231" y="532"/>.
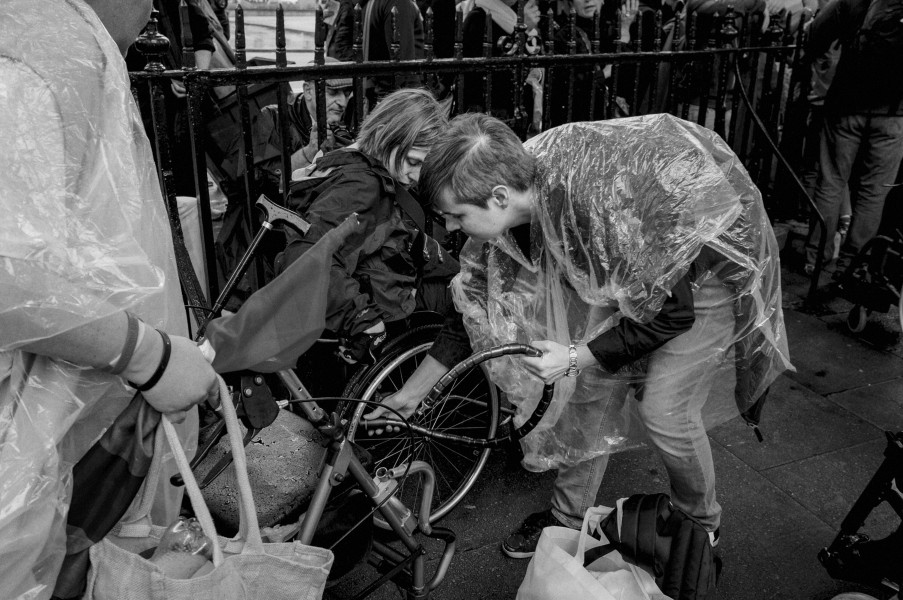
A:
<point x="623" y="209"/>
<point x="83" y="235"/>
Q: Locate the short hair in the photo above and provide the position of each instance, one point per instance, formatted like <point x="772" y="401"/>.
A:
<point x="476" y="153"/>
<point x="405" y="119"/>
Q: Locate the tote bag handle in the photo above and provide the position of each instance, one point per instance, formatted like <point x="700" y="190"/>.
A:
<point x="249" y="529"/>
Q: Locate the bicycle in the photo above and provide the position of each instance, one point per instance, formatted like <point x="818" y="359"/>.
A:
<point x="385" y="490"/>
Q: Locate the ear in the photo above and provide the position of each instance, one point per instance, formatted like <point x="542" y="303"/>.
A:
<point x="501" y="195"/>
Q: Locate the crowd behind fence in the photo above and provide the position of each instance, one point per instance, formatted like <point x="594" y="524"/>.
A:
<point x="695" y="66"/>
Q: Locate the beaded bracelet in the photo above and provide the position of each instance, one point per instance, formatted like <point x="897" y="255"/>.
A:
<point x="164" y="362"/>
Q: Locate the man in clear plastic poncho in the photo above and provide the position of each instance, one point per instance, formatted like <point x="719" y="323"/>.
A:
<point x="83" y="239"/>
<point x="636" y="254"/>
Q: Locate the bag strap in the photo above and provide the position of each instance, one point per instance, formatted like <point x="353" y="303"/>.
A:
<point x="249" y="529"/>
<point x="590" y="521"/>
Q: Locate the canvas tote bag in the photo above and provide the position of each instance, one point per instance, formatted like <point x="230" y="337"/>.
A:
<point x="556" y="571"/>
<point x="244" y="568"/>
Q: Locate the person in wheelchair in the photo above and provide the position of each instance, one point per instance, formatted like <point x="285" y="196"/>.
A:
<point x="636" y="254"/>
<point x="393" y="268"/>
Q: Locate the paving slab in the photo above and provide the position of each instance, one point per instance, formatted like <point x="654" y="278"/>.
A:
<point x="828" y="361"/>
<point x="796" y="424"/>
<point x="881" y="404"/>
<point x="827" y="485"/>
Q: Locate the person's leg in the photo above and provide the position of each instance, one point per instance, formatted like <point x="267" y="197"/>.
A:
<point x="575" y="487"/>
<point x="881" y="154"/>
<point x="575" y="490"/>
<point x="683" y="375"/>
<point x="839" y="145"/>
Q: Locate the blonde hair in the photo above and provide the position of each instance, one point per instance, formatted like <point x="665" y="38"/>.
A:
<point x="405" y="119"/>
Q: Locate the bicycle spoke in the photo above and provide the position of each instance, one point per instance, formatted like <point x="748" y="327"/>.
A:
<point x="453" y="450"/>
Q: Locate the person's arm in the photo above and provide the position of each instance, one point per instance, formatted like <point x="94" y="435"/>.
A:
<point x="450" y="347"/>
<point x="827" y="27"/>
<point x="624" y="343"/>
<point x="629" y="340"/>
<point x="187" y="378"/>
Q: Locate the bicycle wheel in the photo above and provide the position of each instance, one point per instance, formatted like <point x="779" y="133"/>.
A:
<point x="468" y="407"/>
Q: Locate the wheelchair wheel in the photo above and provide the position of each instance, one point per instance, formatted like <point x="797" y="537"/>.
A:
<point x="857" y="318"/>
<point x="468" y="407"/>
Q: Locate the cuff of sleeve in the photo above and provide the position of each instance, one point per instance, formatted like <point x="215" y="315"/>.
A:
<point x="608" y="350"/>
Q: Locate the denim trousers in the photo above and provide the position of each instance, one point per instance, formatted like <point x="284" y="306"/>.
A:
<point x="864" y="153"/>
<point x="682" y="375"/>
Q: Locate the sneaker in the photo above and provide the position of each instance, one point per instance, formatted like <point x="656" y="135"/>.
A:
<point x="522" y="543"/>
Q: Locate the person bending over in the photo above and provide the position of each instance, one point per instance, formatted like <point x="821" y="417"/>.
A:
<point x="637" y="255"/>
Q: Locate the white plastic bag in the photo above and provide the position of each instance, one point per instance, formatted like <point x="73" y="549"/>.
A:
<point x="556" y="571"/>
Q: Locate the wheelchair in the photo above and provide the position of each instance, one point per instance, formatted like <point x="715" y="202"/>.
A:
<point x="854" y="556"/>
<point x="873" y="281"/>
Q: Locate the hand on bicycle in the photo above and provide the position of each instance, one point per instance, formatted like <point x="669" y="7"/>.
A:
<point x="555" y="360"/>
<point x="403" y="402"/>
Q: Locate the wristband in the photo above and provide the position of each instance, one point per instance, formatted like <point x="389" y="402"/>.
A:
<point x="164" y="362"/>
<point x="572" y="371"/>
<point x="119" y="364"/>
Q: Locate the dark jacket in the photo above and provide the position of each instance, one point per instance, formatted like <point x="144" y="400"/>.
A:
<point x="375" y="274"/>
<point x="410" y="38"/>
<point x="860" y="85"/>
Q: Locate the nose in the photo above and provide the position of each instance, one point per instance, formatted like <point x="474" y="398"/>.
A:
<point x="450" y="225"/>
<point x="414" y="174"/>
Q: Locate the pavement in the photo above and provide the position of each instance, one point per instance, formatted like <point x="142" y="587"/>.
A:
<point x="783" y="498"/>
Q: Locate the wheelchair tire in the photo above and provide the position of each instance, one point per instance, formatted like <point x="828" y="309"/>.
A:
<point x="469" y="406"/>
<point x="857" y="318"/>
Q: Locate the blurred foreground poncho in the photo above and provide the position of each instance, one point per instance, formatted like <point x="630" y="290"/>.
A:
<point x="624" y="208"/>
<point x="83" y="235"/>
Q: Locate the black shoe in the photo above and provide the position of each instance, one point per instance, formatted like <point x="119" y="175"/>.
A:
<point x="522" y="543"/>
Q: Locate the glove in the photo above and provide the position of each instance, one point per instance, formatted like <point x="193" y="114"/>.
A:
<point x="364" y="347"/>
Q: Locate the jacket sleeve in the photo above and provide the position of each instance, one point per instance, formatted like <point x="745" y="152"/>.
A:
<point x="201" y="33"/>
<point x="827" y="27"/>
<point x="452" y="344"/>
<point x="350" y="309"/>
<point x="342" y="46"/>
<point x="629" y="340"/>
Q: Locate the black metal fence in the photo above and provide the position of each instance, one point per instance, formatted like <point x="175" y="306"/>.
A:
<point x="699" y="67"/>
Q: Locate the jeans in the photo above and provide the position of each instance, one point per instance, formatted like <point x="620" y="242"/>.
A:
<point x="864" y="153"/>
<point x="683" y="375"/>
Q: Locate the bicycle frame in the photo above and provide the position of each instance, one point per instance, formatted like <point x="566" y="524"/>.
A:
<point x="340" y="461"/>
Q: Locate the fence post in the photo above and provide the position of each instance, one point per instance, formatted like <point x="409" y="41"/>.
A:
<point x="728" y="34"/>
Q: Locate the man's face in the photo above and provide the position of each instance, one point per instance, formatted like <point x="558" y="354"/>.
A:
<point x="586" y="8"/>
<point x="336" y="102"/>
<point x="479" y="223"/>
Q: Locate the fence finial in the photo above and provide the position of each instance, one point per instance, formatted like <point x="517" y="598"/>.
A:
<point x="153" y="45"/>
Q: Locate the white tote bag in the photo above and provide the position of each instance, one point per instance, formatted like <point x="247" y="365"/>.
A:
<point x="244" y="568"/>
<point x="556" y="571"/>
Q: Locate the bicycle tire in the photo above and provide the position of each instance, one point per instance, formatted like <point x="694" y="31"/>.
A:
<point x="473" y="412"/>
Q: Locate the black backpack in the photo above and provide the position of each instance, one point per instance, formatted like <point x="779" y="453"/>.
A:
<point x="665" y="541"/>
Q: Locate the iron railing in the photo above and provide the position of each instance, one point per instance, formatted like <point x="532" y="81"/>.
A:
<point x="696" y="67"/>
